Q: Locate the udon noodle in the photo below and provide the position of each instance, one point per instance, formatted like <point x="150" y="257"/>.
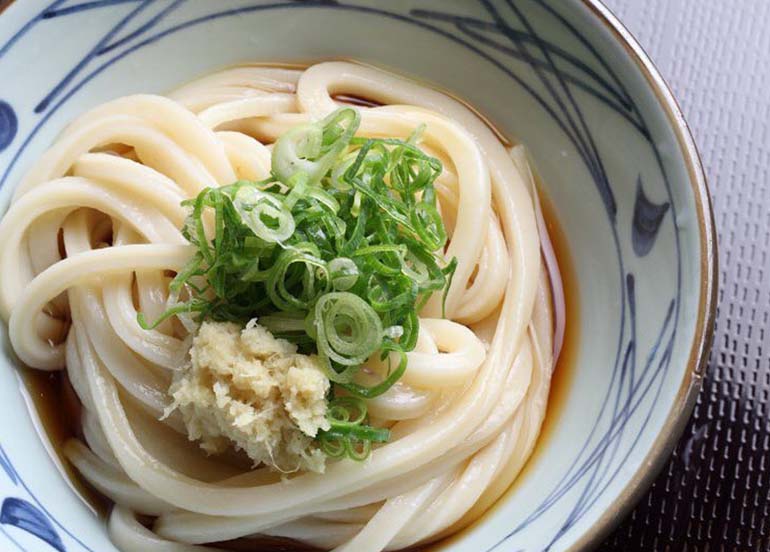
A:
<point x="93" y="236"/>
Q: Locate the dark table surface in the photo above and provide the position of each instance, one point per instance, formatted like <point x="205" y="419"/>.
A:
<point x="714" y="494"/>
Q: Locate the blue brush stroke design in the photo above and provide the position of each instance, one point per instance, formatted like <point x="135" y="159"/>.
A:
<point x="613" y="95"/>
<point x="83" y="6"/>
<point x="9" y="124"/>
<point x="26" y="27"/>
<point x="27" y="517"/>
<point x="558" y="72"/>
<point x="7" y="466"/>
<point x="142" y="29"/>
<point x="41" y="507"/>
<point x="52" y="11"/>
<point x="103" y="42"/>
<point x="647" y="219"/>
<point x="562" y="95"/>
<point x="605" y="452"/>
<point x="11" y="538"/>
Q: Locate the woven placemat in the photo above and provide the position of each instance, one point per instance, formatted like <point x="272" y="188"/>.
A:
<point x="714" y="494"/>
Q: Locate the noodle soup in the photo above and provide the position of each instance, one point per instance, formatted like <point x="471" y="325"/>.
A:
<point x="314" y="305"/>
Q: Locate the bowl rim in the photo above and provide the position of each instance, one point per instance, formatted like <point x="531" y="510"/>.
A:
<point x="682" y="407"/>
<point x="684" y="402"/>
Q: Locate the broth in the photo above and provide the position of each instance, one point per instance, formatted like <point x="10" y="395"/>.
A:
<point x="561" y="379"/>
<point x="56" y="411"/>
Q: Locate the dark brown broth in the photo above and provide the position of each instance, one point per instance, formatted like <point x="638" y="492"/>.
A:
<point x="351" y="99"/>
<point x="561" y="379"/>
<point x="57" y="410"/>
<point x="56" y="414"/>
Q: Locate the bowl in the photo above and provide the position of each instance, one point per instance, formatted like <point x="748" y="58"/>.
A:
<point x="617" y="165"/>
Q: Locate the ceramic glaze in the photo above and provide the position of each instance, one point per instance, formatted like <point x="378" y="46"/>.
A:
<point x="557" y="75"/>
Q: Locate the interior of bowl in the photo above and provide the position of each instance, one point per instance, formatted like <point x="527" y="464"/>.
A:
<point x="552" y="75"/>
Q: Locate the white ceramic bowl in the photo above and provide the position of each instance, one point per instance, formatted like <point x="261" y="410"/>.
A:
<point x="562" y="76"/>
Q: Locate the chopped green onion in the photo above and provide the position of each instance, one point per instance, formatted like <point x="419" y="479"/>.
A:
<point x="344" y="273"/>
<point x="393" y="332"/>
<point x="313" y="148"/>
<point x="267" y="216"/>
<point x="346" y="412"/>
<point x="314" y="278"/>
<point x="283" y="322"/>
<point x="360" y="433"/>
<point x="380" y="388"/>
<point x="337" y="251"/>
<point x="348" y="331"/>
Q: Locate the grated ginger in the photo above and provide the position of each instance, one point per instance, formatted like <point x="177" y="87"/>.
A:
<point x="248" y="389"/>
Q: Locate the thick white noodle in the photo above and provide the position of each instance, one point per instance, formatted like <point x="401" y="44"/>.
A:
<point x="94" y="230"/>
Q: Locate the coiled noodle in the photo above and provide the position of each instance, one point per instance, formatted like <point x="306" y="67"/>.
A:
<point x="94" y="232"/>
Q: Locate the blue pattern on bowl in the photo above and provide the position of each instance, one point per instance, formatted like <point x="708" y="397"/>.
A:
<point x="511" y="36"/>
